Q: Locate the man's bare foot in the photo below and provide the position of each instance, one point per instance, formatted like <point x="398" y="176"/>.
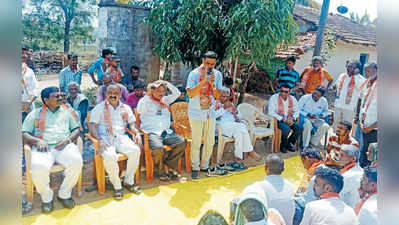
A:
<point x="255" y="156"/>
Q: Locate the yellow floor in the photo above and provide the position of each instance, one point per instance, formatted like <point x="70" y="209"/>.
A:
<point x="175" y="204"/>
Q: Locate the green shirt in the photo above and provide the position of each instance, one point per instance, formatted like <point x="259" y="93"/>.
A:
<point x="59" y="125"/>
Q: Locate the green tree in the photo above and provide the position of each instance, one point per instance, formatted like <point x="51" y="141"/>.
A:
<point x="309" y="3"/>
<point x="364" y="19"/>
<point x="185" y="30"/>
<point x="48" y="23"/>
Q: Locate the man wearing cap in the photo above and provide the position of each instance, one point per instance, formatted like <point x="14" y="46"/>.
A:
<point x="203" y="88"/>
<point x="99" y="66"/>
<point x="71" y="73"/>
<point x="153" y="110"/>
<point x="313" y="109"/>
<point x="51" y="131"/>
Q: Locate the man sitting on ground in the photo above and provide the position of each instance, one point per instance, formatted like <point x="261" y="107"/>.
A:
<point x="284" y="108"/>
<point x="352" y="173"/>
<point x="154" y="113"/>
<point x="108" y="123"/>
<point x="133" y="98"/>
<point x="231" y="127"/>
<point x="313" y="109"/>
<point x="51" y="131"/>
<point x="330" y="209"/>
<point x="366" y="209"/>
<point x="335" y="142"/>
<point x="78" y="101"/>
<point x="279" y="192"/>
<point x="107" y="80"/>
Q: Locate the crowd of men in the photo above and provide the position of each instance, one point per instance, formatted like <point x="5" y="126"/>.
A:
<point x="340" y="187"/>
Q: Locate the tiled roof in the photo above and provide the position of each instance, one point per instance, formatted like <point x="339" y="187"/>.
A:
<point x="343" y="28"/>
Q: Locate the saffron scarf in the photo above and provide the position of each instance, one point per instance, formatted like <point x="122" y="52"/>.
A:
<point x="313" y="167"/>
<point x="361" y="203"/>
<point x="347" y="167"/>
<point x="72" y="111"/>
<point x="307" y="75"/>
<point x="351" y="87"/>
<point x="206" y="91"/>
<point x="40" y="122"/>
<point x="280" y="109"/>
<point x="369" y="96"/>
<point x="108" y="120"/>
<point x="329" y="195"/>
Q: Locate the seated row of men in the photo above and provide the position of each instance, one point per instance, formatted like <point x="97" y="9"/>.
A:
<point x="327" y="196"/>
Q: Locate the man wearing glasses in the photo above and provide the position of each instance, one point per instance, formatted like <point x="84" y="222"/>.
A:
<point x="284" y="108"/>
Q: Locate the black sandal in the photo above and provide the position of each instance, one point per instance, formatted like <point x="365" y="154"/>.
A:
<point x="134" y="188"/>
<point x="118" y="194"/>
<point x="164" y="177"/>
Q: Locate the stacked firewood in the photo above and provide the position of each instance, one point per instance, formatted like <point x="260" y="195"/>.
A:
<point x="46" y="62"/>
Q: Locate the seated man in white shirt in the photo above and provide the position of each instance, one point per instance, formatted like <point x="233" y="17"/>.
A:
<point x="366" y="209"/>
<point x="108" y="123"/>
<point x="153" y="110"/>
<point x="352" y="173"/>
<point x="232" y="127"/>
<point x="313" y="109"/>
<point x="279" y="192"/>
<point x="330" y="209"/>
<point x="284" y="108"/>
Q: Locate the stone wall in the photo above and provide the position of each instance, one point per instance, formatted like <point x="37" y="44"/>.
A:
<point x="121" y="27"/>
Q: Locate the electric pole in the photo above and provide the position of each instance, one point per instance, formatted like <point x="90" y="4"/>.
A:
<point x="322" y="24"/>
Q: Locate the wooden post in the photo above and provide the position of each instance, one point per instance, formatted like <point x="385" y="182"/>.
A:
<point x="322" y="24"/>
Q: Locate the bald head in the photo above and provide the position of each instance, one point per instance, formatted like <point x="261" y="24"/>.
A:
<point x="274" y="164"/>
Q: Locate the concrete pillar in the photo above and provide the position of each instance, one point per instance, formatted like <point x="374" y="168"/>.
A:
<point x="121" y="27"/>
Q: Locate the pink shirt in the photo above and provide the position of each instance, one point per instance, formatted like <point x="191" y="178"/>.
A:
<point x="132" y="100"/>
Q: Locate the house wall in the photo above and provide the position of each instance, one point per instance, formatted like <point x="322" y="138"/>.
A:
<point x="342" y="52"/>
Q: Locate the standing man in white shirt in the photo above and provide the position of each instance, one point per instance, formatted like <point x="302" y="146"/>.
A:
<point x="154" y="113"/>
<point x="30" y="90"/>
<point x="330" y="209"/>
<point x="279" y="192"/>
<point x="313" y="109"/>
<point x="284" y="108"/>
<point x="352" y="173"/>
<point x="368" y="113"/>
<point x="366" y="209"/>
<point x="348" y="86"/>
<point x="204" y="86"/>
<point x="109" y="121"/>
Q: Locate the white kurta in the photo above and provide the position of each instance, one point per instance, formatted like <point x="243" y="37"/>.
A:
<point x="239" y="131"/>
<point x="340" y="101"/>
<point x="349" y="193"/>
<point x="331" y="211"/>
<point x="368" y="212"/>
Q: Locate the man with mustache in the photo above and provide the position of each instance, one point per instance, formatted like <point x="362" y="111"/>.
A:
<point x="51" y="131"/>
<point x="108" y="123"/>
<point x="154" y="113"/>
<point x="366" y="209"/>
<point x="107" y="80"/>
<point x="314" y="76"/>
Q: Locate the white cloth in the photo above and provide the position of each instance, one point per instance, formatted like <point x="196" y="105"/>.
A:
<point x="371" y="115"/>
<point x="151" y="121"/>
<point x="279" y="194"/>
<point x="32" y="84"/>
<point x="307" y="105"/>
<point x="122" y="144"/>
<point x="350" y="192"/>
<point x="41" y="163"/>
<point x="329" y="211"/>
<point x="368" y="212"/>
<point x="239" y="131"/>
<point x="340" y="102"/>
<point x="321" y="129"/>
<point x="273" y="107"/>
<point x="97" y="116"/>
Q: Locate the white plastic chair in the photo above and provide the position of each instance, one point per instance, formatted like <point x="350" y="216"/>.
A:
<point x="248" y="113"/>
<point x="222" y="140"/>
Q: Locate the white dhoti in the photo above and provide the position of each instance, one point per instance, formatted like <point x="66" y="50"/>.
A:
<point x="322" y="128"/>
<point x="122" y="144"/>
<point x="41" y="162"/>
<point x="242" y="140"/>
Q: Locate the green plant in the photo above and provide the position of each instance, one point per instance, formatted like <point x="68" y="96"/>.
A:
<point x="91" y="94"/>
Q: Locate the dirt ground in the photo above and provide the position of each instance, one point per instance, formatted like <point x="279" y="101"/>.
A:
<point x="262" y="147"/>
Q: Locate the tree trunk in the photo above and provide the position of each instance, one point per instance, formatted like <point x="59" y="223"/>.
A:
<point x="66" y="36"/>
<point x="246" y="74"/>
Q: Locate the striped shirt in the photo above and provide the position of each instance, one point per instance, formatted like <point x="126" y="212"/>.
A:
<point x="334" y="148"/>
<point x="67" y="76"/>
<point x="285" y="76"/>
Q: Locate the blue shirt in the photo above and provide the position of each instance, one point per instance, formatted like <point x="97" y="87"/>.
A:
<point x="67" y="76"/>
<point x="285" y="76"/>
<point x="97" y="66"/>
<point x="194" y="108"/>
